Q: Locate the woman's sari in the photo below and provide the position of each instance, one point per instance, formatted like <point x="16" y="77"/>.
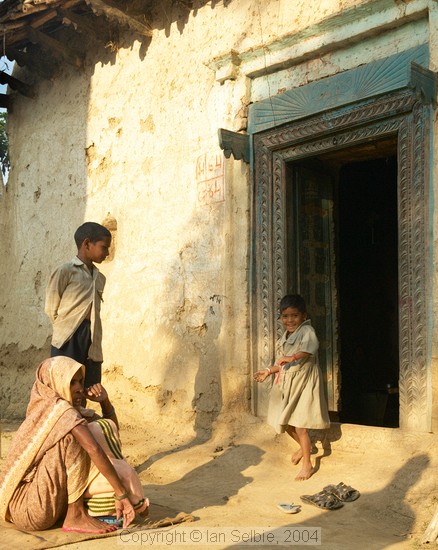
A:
<point x="46" y="469"/>
<point x="99" y="496"/>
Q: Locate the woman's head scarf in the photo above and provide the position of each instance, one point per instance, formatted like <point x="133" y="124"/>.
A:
<point x="50" y="416"/>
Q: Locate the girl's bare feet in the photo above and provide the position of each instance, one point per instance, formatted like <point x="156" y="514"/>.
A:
<point x="306" y="472"/>
<point x="78" y="520"/>
<point x="296" y="457"/>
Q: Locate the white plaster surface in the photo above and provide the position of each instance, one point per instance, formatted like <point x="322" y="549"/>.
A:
<point x="121" y="138"/>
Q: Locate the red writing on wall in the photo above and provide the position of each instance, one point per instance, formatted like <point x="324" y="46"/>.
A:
<point x="210" y="178"/>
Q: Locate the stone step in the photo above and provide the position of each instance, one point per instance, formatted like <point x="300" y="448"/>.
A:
<point x="354" y="437"/>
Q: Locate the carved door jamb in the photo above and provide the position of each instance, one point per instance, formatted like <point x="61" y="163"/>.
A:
<point x="399" y="113"/>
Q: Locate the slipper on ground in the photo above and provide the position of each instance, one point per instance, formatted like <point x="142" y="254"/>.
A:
<point x="323" y="499"/>
<point x="343" y="492"/>
<point x="289" y="508"/>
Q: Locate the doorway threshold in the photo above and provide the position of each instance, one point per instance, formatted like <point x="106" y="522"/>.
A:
<point x="355" y="437"/>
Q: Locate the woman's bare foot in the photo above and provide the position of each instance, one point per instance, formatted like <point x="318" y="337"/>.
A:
<point x="306" y="472"/>
<point x="296" y="457"/>
<point x="78" y="520"/>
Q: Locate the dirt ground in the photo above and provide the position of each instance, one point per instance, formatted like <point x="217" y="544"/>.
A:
<point x="231" y="485"/>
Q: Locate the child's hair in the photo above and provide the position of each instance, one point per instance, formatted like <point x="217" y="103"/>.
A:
<point x="90" y="230"/>
<point x="293" y="300"/>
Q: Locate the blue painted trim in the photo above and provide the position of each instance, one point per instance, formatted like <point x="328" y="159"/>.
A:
<point x="378" y="77"/>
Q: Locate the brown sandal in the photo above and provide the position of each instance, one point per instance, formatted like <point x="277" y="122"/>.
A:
<point x="323" y="499"/>
<point x="343" y="492"/>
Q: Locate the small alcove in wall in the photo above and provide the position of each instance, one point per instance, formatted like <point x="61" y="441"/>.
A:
<point x="111" y="224"/>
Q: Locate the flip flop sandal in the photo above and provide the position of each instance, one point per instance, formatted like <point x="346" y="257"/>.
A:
<point x="289" y="508"/>
<point x="343" y="492"/>
<point x="323" y="499"/>
<point x="112" y="520"/>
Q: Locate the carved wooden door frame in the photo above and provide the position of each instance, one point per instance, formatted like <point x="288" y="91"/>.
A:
<point x="399" y="114"/>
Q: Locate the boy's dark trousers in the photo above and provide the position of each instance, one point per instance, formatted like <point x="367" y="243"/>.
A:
<point x="77" y="348"/>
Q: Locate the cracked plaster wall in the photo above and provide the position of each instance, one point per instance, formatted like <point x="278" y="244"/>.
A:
<point x="122" y="139"/>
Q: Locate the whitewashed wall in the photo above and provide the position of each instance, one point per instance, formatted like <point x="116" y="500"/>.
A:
<point x="122" y="140"/>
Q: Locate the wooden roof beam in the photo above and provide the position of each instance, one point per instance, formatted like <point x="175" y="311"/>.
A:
<point x="21" y="58"/>
<point x="24" y="10"/>
<point x="15" y="84"/>
<point x="16" y="32"/>
<point x="5" y="101"/>
<point x="54" y="46"/>
<point x="188" y="4"/>
<point x="79" y="22"/>
<point x="38" y="64"/>
<point x="116" y="14"/>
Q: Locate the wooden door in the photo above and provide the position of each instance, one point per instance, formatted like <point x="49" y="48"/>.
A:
<point x="311" y="263"/>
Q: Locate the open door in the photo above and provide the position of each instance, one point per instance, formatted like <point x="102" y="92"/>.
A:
<point x="341" y="234"/>
<point x="311" y="262"/>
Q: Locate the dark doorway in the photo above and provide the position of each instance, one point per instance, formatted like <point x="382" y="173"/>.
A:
<point x="368" y="291"/>
<point x="347" y="203"/>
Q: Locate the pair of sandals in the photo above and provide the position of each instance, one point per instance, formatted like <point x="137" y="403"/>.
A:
<point x="332" y="497"/>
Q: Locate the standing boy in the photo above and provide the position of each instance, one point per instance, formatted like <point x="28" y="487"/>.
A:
<point x="73" y="298"/>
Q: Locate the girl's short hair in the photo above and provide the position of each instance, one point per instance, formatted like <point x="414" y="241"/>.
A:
<point x="293" y="300"/>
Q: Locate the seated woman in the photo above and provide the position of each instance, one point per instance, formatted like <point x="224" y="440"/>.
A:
<point x="46" y="472"/>
<point x="99" y="496"/>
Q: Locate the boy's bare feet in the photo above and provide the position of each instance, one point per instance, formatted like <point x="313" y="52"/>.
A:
<point x="296" y="457"/>
<point x="78" y="520"/>
<point x="305" y="473"/>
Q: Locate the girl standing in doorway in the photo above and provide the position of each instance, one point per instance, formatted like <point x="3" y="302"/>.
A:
<point x="297" y="402"/>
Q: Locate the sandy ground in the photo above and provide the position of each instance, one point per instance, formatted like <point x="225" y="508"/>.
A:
<point x="232" y="483"/>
